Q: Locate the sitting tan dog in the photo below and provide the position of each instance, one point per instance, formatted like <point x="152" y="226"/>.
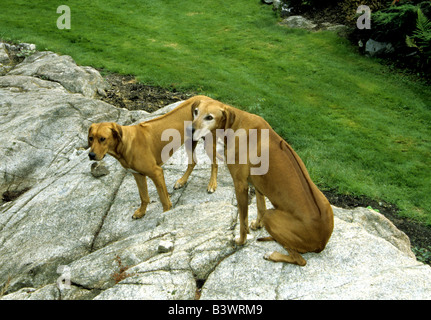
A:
<point x="302" y="219"/>
<point x="139" y="148"/>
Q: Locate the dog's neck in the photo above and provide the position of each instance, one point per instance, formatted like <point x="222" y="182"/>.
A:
<point x="119" y="149"/>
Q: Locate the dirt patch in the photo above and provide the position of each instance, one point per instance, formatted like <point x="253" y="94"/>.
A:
<point x="127" y="92"/>
<point x="320" y="15"/>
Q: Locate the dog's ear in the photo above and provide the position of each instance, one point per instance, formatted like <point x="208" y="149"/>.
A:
<point x="194" y="106"/>
<point x="117" y="132"/>
<point x="91" y="128"/>
<point x="89" y="132"/>
<point x="229" y="117"/>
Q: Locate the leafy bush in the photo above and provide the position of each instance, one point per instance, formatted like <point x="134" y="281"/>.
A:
<point x="351" y="4"/>
<point x="394" y="23"/>
<point x="348" y="8"/>
<point x="314" y="3"/>
<point x="408" y="28"/>
<point x="421" y="38"/>
<point x="405" y="24"/>
<point x="301" y="6"/>
<point x="423" y="254"/>
<point x="401" y="25"/>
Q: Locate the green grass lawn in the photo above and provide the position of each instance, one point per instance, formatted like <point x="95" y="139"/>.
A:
<point x="359" y="128"/>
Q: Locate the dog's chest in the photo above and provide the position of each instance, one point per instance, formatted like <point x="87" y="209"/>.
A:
<point x="127" y="168"/>
<point x="125" y="165"/>
<point x="131" y="170"/>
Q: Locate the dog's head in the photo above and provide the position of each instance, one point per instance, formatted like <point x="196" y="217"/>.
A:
<point x="103" y="138"/>
<point x="210" y="115"/>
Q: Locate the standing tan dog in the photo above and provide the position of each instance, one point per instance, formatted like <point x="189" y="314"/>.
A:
<point x="139" y="148"/>
<point x="302" y="219"/>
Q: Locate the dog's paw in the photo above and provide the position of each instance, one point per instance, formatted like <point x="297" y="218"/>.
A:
<point x="254" y="225"/>
<point x="212" y="187"/>
<point x="240" y="242"/>
<point x="179" y="184"/>
<point x="168" y="207"/>
<point x="268" y="255"/>
<point x="138" y="214"/>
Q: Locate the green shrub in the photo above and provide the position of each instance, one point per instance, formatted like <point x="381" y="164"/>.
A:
<point x="393" y="24"/>
<point x="353" y="4"/>
<point x="305" y="5"/>
<point x="348" y="8"/>
<point x="421" y="38"/>
<point x="409" y="30"/>
<point x="405" y="28"/>
<point x="423" y="254"/>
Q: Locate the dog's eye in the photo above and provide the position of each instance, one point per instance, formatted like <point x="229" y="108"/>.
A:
<point x="195" y="112"/>
<point x="209" y="117"/>
<point x="90" y="139"/>
<point x="102" y="139"/>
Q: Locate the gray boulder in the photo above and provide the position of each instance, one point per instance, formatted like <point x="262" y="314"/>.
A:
<point x="4" y="57"/>
<point x="298" y="22"/>
<point x="357" y="264"/>
<point x="42" y="128"/>
<point x="376" y="48"/>
<point x="69" y="234"/>
<point x="62" y="69"/>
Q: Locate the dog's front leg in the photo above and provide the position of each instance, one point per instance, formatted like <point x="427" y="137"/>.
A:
<point x="159" y="181"/>
<point x="183" y="180"/>
<point x="191" y="164"/>
<point x="141" y="181"/>
<point x="242" y="199"/>
<point x="212" y="185"/>
<point x="239" y="177"/>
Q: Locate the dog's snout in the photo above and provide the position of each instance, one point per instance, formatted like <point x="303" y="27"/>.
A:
<point x="190" y="130"/>
<point x="92" y="156"/>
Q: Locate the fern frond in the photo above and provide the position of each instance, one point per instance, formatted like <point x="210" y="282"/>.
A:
<point x="423" y="24"/>
<point x="411" y="42"/>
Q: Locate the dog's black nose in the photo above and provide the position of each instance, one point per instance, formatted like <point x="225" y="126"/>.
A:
<point x="189" y="131"/>
<point x="92" y="156"/>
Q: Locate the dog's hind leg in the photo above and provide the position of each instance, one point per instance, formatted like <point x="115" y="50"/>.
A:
<point x="159" y="181"/>
<point x="288" y="232"/>
<point x="141" y="181"/>
<point x="261" y="208"/>
<point x="293" y="257"/>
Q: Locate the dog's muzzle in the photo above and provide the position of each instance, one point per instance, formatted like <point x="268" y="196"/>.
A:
<point x="190" y="131"/>
<point x="92" y="156"/>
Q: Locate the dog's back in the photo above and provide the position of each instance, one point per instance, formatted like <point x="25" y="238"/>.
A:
<point x="289" y="187"/>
